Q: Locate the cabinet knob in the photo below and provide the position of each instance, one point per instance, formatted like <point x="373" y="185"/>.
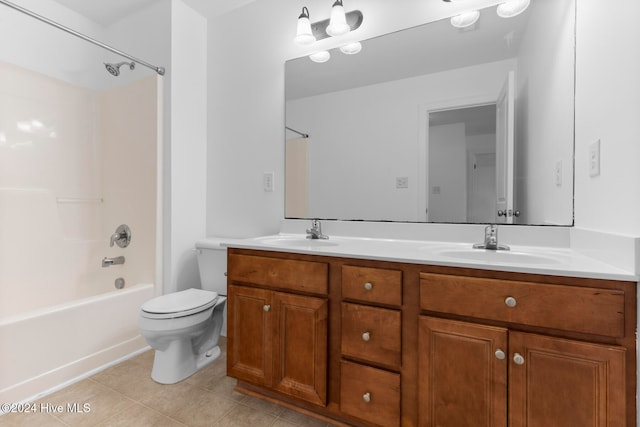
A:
<point x="510" y="301"/>
<point x="500" y="354"/>
<point x="266" y="307"/>
<point x="368" y="286"/>
<point x="366" y="397"/>
<point x="518" y="359"/>
<point x="366" y="336"/>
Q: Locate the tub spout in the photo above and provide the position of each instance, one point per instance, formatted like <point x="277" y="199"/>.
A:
<point x="108" y="262"/>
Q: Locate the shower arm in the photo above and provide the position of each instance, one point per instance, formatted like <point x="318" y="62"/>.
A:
<point x="159" y="70"/>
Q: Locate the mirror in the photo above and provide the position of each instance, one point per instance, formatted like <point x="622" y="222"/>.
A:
<point x="439" y="124"/>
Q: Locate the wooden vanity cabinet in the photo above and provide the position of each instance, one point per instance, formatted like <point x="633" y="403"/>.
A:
<point x="474" y="371"/>
<point x="371" y="343"/>
<point x="278" y="339"/>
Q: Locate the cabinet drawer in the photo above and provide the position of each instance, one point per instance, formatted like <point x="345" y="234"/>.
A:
<point x="302" y="276"/>
<point x="571" y="308"/>
<point x="376" y="285"/>
<point x="370" y="394"/>
<point x="371" y="334"/>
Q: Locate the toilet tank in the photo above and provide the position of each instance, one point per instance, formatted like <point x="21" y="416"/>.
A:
<point x="212" y="263"/>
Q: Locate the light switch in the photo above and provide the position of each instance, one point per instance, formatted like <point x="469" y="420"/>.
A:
<point x="559" y="173"/>
<point x="267" y="182"/>
<point x="402" y="182"/>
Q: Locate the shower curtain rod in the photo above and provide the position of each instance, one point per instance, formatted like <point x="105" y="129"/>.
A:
<point x="159" y="70"/>
<point x="304" y="135"/>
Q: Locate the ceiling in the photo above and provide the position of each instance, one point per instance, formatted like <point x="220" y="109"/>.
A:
<point x="107" y="12"/>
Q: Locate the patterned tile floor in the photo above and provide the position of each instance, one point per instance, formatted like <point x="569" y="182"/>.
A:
<point x="125" y="395"/>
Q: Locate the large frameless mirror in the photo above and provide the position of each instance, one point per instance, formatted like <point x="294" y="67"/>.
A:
<point x="439" y="124"/>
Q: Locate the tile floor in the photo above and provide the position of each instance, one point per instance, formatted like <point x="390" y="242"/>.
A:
<point x="125" y="395"/>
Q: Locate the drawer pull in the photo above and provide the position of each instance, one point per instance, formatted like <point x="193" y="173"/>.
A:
<point x="500" y="354"/>
<point x="368" y="286"/>
<point x="366" y="397"/>
<point x="266" y="307"/>
<point x="366" y="336"/>
<point x="510" y="302"/>
<point x="518" y="359"/>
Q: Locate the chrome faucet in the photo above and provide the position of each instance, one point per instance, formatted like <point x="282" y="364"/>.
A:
<point x="122" y="236"/>
<point x="491" y="240"/>
<point x="315" y="232"/>
<point x="108" y="262"/>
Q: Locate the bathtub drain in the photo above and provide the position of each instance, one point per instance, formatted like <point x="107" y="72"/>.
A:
<point x="119" y="283"/>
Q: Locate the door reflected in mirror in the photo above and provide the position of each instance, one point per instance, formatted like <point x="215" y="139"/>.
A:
<point x="462" y="165"/>
<point x="387" y="140"/>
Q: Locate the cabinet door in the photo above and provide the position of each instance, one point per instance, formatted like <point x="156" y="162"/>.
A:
<point x="559" y="382"/>
<point x="250" y="331"/>
<point x="462" y="373"/>
<point x="300" y="347"/>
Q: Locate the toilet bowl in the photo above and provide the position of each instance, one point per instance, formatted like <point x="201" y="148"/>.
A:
<point x="184" y="327"/>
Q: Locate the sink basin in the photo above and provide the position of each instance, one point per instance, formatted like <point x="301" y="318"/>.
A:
<point x="297" y="242"/>
<point x="500" y="257"/>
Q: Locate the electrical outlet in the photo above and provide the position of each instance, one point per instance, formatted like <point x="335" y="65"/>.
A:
<point x="402" y="182"/>
<point x="559" y="173"/>
<point x="267" y="182"/>
<point x="594" y="158"/>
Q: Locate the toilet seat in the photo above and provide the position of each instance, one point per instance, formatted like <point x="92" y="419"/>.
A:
<point x="179" y="304"/>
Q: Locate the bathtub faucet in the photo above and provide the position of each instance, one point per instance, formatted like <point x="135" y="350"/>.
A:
<point x="122" y="236"/>
<point x="108" y="262"/>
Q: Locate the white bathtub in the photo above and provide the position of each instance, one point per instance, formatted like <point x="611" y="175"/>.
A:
<point x="44" y="349"/>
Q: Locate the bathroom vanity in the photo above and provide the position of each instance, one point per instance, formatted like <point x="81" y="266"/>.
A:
<point x="376" y="341"/>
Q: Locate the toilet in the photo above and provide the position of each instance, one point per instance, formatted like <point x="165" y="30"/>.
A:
<point x="184" y="327"/>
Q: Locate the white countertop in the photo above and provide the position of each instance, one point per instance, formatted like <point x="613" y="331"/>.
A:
<point x="522" y="259"/>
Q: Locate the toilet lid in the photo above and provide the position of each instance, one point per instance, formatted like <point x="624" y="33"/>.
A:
<point x="185" y="302"/>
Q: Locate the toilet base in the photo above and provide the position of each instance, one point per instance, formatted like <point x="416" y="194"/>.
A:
<point x="178" y="362"/>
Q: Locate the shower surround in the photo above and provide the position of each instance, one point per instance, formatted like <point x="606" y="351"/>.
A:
<point x="74" y="164"/>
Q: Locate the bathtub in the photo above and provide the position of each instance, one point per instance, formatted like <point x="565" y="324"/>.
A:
<point x="45" y="349"/>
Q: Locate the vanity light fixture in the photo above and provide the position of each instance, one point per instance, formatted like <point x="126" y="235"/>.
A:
<point x="320" y="57"/>
<point x="351" y="48"/>
<point x="511" y="8"/>
<point x="338" y="22"/>
<point x="304" y="35"/>
<point x="465" y="19"/>
<point x="320" y="30"/>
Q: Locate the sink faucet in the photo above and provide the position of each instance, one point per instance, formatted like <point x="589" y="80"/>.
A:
<point x="108" y="262"/>
<point x="491" y="239"/>
<point x="315" y="232"/>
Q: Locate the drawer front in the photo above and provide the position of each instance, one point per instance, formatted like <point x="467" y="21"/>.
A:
<point x="376" y="285"/>
<point x="571" y="308"/>
<point x="371" y="334"/>
<point x="295" y="275"/>
<point x="370" y="394"/>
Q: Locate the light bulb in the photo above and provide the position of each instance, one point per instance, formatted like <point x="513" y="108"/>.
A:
<point x="351" y="48"/>
<point x="512" y="8"/>
<point x="338" y="22"/>
<point x="304" y="35"/>
<point x="320" y="57"/>
<point x="465" y="19"/>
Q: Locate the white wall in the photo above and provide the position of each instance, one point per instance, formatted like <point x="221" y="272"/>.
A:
<point x="550" y="34"/>
<point x="188" y="144"/>
<point x="47" y="50"/>
<point x="608" y="108"/>
<point x="246" y="108"/>
<point x="246" y="101"/>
